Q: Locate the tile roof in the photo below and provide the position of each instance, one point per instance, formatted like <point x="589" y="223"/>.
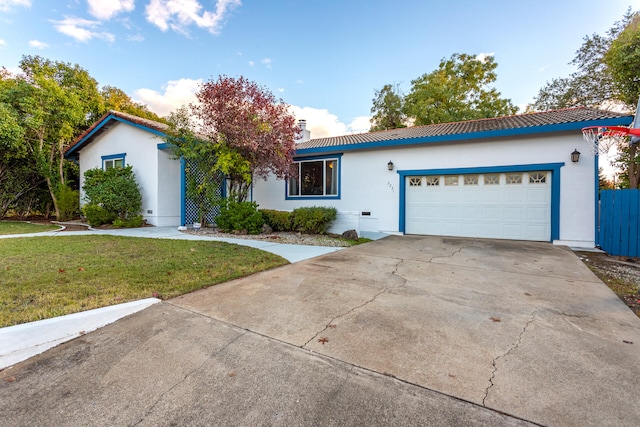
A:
<point x="575" y="115"/>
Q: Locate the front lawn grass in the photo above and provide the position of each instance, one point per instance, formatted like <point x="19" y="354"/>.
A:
<point x="43" y="277"/>
<point x="21" y="227"/>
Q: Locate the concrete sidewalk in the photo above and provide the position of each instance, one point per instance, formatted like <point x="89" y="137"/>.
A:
<point x="292" y="253"/>
<point x="20" y="342"/>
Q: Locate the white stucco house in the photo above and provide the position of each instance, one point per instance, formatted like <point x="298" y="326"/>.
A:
<point x="506" y="178"/>
<point x="117" y="139"/>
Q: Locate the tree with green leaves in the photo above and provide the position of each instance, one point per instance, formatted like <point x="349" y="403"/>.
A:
<point x="608" y="75"/>
<point x="606" y="67"/>
<point x="242" y="129"/>
<point x="387" y="111"/>
<point x="116" y="99"/>
<point x="51" y="102"/>
<point x="459" y="89"/>
<point x="623" y="60"/>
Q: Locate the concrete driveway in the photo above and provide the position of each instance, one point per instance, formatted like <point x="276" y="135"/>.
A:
<point x="401" y="331"/>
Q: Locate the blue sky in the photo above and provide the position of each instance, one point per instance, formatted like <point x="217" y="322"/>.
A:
<point x="324" y="57"/>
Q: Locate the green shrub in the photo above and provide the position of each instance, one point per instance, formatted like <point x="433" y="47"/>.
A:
<point x="133" y="222"/>
<point x="277" y="220"/>
<point x="68" y="202"/>
<point x="240" y="216"/>
<point x="96" y="215"/>
<point x="313" y="220"/>
<point x="115" y="190"/>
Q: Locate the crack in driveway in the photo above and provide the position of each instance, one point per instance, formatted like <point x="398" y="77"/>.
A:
<point x="457" y="251"/>
<point x="351" y="310"/>
<point x="513" y="347"/>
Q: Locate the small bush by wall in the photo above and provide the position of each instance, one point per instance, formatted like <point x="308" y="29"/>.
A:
<point x="240" y="216"/>
<point x="115" y="189"/>
<point x="313" y="220"/>
<point x="68" y="202"/>
<point x="277" y="220"/>
<point x="133" y="222"/>
<point x="96" y="215"/>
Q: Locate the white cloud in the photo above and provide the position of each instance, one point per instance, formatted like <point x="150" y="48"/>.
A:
<point x="266" y="62"/>
<point x="251" y="63"/>
<point x="2" y="43"/>
<point x="82" y="29"/>
<point x="180" y="14"/>
<point x="6" y="5"/>
<point x="107" y="9"/>
<point x="176" y="94"/>
<point x="482" y="57"/>
<point x="38" y="44"/>
<point x="323" y="124"/>
<point x="135" y="38"/>
<point x="280" y="89"/>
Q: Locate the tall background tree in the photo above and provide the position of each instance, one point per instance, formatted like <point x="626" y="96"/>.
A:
<point x="42" y="109"/>
<point x="387" y="111"/>
<point x="242" y="129"/>
<point x="593" y="83"/>
<point x="459" y="89"/>
<point x="607" y="76"/>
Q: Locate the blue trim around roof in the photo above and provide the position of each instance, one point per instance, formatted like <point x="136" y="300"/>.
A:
<point x="555" y="186"/>
<point x="338" y="157"/>
<point x="79" y="144"/>
<point x="500" y="133"/>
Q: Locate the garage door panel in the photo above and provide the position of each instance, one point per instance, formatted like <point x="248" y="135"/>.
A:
<point x="514" y="213"/>
<point x="537" y="214"/>
<point x="471" y="196"/>
<point x="491" y="212"/>
<point x="538" y="195"/>
<point x="451" y="196"/>
<point x="515" y="195"/>
<point x="470" y="213"/>
<point x="452" y="212"/>
<point x="493" y="195"/>
<point x="505" y="206"/>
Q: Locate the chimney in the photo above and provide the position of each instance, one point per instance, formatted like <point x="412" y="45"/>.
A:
<point x="305" y="135"/>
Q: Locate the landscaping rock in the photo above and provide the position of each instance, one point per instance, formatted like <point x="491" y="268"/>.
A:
<point x="350" y="235"/>
<point x="266" y="229"/>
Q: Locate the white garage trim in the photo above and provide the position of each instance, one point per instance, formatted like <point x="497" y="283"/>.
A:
<point x="553" y="168"/>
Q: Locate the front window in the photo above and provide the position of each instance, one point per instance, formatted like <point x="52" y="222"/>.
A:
<point x="113" y="161"/>
<point x="314" y="178"/>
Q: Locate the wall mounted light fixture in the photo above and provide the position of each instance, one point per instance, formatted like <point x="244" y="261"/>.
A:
<point x="390" y="165"/>
<point x="575" y="156"/>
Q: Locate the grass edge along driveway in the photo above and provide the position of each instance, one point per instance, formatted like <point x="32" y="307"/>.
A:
<point x="22" y="227"/>
<point x="44" y="277"/>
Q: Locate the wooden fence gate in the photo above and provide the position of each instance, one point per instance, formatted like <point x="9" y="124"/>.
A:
<point x="618" y="231"/>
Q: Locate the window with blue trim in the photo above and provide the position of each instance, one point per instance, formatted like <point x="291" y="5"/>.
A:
<point x="113" y="161"/>
<point x="317" y="178"/>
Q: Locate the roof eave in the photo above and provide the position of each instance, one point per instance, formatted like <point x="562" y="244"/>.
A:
<point x="85" y="139"/>
<point x="499" y="133"/>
